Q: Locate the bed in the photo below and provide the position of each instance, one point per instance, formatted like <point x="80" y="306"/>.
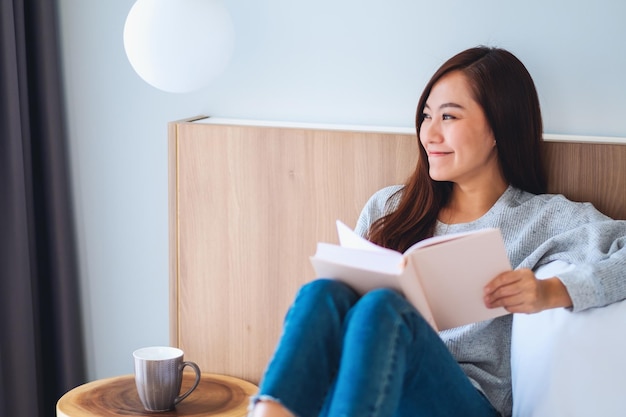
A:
<point x="249" y="200"/>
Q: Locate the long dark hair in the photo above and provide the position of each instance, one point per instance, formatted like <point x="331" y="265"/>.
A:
<point x="504" y="89"/>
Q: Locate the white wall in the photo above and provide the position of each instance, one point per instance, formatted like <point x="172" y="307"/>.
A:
<point x="348" y="62"/>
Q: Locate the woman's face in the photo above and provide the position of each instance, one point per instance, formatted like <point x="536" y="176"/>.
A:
<point x="456" y="135"/>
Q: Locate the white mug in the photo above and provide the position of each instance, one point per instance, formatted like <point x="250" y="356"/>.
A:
<point x="159" y="375"/>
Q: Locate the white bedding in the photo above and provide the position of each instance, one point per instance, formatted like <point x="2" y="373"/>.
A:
<point x="568" y="364"/>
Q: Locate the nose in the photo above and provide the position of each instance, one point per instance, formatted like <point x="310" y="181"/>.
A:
<point x="430" y="131"/>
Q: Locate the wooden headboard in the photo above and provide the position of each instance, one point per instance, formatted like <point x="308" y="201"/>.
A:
<point x="248" y="202"/>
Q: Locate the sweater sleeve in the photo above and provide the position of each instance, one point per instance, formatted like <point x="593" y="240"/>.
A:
<point x="599" y="277"/>
<point x="596" y="245"/>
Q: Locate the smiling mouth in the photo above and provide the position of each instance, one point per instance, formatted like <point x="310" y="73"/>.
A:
<point x="435" y="154"/>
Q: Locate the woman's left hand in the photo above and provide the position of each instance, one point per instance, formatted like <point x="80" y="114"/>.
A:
<point x="519" y="291"/>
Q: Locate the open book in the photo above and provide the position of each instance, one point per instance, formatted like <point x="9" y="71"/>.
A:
<point x="443" y="276"/>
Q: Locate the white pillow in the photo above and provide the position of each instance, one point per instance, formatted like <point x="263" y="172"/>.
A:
<point x="569" y="364"/>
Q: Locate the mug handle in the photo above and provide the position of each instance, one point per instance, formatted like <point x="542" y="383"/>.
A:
<point x="195" y="384"/>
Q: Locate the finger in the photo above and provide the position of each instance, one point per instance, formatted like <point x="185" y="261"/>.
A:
<point x="506" y="301"/>
<point x="504" y="279"/>
<point x="515" y="288"/>
<point x="522" y="302"/>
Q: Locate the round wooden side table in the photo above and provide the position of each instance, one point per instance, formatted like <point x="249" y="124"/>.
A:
<point x="216" y="395"/>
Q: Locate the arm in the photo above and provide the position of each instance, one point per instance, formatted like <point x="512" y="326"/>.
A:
<point x="598" y="251"/>
<point x="579" y="235"/>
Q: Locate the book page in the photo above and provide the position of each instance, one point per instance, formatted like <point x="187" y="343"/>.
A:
<point x="361" y="280"/>
<point x="454" y="274"/>
<point x="386" y="262"/>
<point x="413" y="291"/>
<point x="349" y="239"/>
<point x="359" y="263"/>
<point x="436" y="240"/>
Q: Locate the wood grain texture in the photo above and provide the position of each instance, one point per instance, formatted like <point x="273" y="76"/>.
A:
<point x="249" y="204"/>
<point x="589" y="172"/>
<point x="216" y="395"/>
<point x="172" y="156"/>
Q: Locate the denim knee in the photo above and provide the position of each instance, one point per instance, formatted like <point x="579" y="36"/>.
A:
<point x="327" y="291"/>
<point x="325" y="286"/>
<point x="382" y="299"/>
<point x="385" y="307"/>
<point x="321" y="301"/>
<point x="384" y="295"/>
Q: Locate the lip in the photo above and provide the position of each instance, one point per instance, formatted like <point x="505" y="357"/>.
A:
<point x="434" y="154"/>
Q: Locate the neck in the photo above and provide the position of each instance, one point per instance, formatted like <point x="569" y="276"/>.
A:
<point x="468" y="204"/>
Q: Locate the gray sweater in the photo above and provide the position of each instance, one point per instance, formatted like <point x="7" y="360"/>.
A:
<point x="536" y="229"/>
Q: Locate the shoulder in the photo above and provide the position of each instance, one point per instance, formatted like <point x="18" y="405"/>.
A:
<point x="385" y="198"/>
<point x="379" y="204"/>
<point x="552" y="204"/>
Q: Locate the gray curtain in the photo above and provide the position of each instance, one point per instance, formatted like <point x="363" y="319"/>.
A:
<point x="41" y="352"/>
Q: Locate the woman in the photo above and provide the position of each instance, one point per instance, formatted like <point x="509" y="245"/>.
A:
<point x="479" y="126"/>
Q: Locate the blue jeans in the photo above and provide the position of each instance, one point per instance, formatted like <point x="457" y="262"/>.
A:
<point x="341" y="355"/>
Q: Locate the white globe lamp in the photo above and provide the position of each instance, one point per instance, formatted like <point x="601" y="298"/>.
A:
<point x="179" y="46"/>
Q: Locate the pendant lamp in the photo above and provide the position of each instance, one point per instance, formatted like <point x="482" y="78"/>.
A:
<point x="179" y="46"/>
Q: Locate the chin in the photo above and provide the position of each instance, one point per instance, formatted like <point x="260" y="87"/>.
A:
<point x="438" y="176"/>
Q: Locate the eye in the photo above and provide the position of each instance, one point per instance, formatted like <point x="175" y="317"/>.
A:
<point x="425" y="116"/>
<point x="447" y="117"/>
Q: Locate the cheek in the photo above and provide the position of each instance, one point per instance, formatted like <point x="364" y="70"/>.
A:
<point x="486" y="152"/>
<point x="483" y="140"/>
<point x="475" y="151"/>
